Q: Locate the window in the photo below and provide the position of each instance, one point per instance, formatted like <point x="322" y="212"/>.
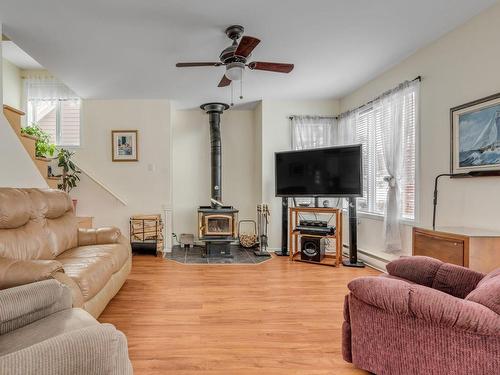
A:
<point x="370" y="125"/>
<point x="55" y="108"/>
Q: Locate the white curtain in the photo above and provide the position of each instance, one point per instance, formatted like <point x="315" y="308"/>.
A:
<point x="313" y="132"/>
<point x="48" y="89"/>
<point x="391" y="115"/>
<point x="41" y="92"/>
<point x="345" y="131"/>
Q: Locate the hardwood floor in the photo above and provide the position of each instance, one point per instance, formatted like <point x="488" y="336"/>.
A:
<point x="268" y="319"/>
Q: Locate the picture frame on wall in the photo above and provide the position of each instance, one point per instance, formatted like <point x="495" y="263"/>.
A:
<point x="124" y="145"/>
<point x="475" y="137"/>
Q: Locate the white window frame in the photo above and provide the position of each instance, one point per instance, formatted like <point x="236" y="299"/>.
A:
<point x="58" y="124"/>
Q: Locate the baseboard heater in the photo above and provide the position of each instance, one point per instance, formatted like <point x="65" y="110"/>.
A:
<point x="345" y="252"/>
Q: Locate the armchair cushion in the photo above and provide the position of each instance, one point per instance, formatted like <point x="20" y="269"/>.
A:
<point x="433" y="306"/>
<point x="25" y="304"/>
<point x="418" y="269"/>
<point x="52" y="325"/>
<point x="95" y="349"/>
<point x="449" y="278"/>
<point x="99" y="236"/>
<point x="18" y="272"/>
<point x="487" y="292"/>
<point x="455" y="280"/>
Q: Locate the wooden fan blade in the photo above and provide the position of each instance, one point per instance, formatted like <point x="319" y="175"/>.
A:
<point x="246" y="46"/>
<point x="224" y="81"/>
<point x="191" y="64"/>
<point x="271" y="67"/>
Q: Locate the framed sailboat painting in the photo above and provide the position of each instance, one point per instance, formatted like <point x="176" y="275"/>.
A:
<point x="475" y="137"/>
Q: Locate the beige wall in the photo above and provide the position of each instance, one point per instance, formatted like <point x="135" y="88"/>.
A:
<point x="276" y="136"/>
<point x="18" y="170"/>
<point x="12" y="85"/>
<point x="144" y="185"/>
<point x="460" y="67"/>
<point x="191" y="165"/>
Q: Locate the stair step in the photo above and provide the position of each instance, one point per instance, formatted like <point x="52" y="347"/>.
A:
<point x="41" y="158"/>
<point x="54" y="178"/>
<point x="52" y="183"/>
<point x="29" y="136"/>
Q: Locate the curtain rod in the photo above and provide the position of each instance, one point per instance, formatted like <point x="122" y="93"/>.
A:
<point x="291" y="117"/>
<point x="418" y="78"/>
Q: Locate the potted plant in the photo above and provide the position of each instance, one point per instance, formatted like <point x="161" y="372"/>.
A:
<point x="70" y="172"/>
<point x="43" y="147"/>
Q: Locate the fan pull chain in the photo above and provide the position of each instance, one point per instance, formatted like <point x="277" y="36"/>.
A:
<point x="232" y="94"/>
<point x="241" y="88"/>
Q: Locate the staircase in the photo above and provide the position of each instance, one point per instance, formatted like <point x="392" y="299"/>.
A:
<point x="14" y="117"/>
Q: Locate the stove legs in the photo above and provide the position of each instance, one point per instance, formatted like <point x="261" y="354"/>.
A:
<point x="224" y="248"/>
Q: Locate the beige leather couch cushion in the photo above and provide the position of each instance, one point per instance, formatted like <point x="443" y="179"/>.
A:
<point x="62" y="233"/>
<point x="15" y="208"/>
<point x="26" y="242"/>
<point x="56" y="208"/>
<point x="117" y="254"/>
<point x="21" y="236"/>
<point x="91" y="274"/>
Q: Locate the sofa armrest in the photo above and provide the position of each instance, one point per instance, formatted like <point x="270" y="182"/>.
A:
<point x="15" y="272"/>
<point x="433" y="306"/>
<point x="99" y="349"/>
<point x="98" y="236"/>
<point x="449" y="278"/>
<point x="25" y="304"/>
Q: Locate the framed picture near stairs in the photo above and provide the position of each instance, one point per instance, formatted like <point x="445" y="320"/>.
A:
<point x="124" y="145"/>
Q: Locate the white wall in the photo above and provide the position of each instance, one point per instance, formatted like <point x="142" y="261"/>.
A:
<point x="144" y="185"/>
<point x="460" y="67"/>
<point x="17" y="168"/>
<point x="191" y="165"/>
<point x="276" y="136"/>
<point x="11" y="84"/>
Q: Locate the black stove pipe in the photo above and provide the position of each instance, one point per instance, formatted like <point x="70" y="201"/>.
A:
<point x="214" y="111"/>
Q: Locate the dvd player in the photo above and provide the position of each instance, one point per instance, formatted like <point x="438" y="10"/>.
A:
<point x="313" y="230"/>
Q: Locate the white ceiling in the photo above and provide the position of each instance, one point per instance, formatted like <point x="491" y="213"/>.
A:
<point x="128" y="48"/>
<point x="14" y="54"/>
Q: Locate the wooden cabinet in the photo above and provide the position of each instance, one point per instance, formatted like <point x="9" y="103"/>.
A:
<point x="469" y="247"/>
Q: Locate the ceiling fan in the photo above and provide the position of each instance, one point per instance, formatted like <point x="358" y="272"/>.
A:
<point x="235" y="57"/>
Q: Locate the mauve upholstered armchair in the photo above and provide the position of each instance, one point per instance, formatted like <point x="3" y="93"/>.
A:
<point x="424" y="317"/>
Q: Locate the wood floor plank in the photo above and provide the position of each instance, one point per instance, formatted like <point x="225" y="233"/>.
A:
<point x="274" y="318"/>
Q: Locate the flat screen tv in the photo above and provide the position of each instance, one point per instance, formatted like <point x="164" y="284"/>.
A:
<point x="321" y="172"/>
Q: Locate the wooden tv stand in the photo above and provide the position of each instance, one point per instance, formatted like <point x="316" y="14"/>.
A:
<point x="477" y="249"/>
<point x="332" y="260"/>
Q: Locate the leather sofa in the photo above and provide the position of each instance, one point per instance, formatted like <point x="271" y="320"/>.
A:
<point x="40" y="239"/>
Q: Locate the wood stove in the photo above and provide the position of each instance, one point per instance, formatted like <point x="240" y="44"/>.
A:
<point x="217" y="224"/>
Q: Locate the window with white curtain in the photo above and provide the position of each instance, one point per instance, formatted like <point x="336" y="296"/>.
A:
<point x="370" y="123"/>
<point x="392" y="115"/>
<point x="55" y="108"/>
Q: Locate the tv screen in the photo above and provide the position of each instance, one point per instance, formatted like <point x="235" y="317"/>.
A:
<point x="322" y="172"/>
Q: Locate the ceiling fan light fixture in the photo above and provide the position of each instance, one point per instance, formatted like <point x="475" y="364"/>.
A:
<point x="234" y="71"/>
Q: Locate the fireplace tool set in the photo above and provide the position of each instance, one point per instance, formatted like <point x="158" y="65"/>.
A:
<point x="262" y="223"/>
